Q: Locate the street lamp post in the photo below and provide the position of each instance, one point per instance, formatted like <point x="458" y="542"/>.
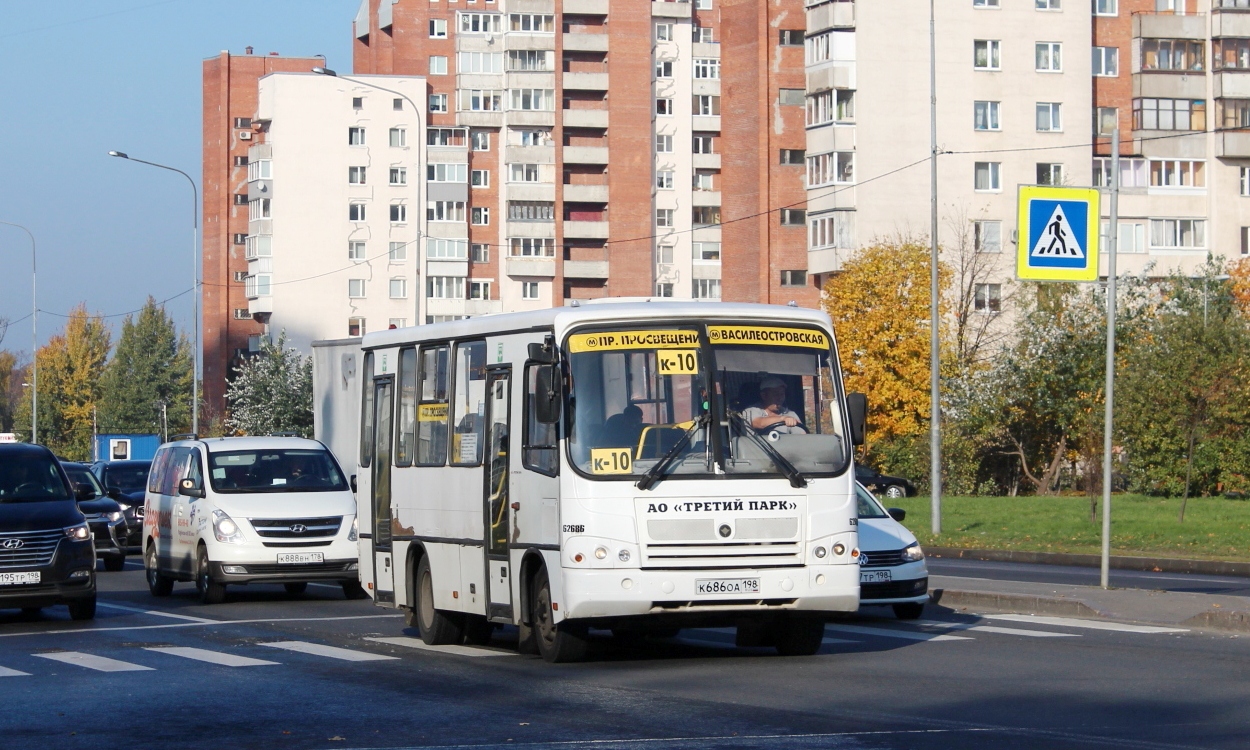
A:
<point x="34" y="339"/>
<point x="195" y="291"/>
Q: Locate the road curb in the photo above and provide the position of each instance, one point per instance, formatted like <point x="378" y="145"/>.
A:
<point x="1218" y="619"/>
<point x="1119" y="562"/>
<point x="1022" y="603"/>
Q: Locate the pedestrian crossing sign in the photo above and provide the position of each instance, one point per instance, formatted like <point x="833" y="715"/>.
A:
<point x="1058" y="234"/>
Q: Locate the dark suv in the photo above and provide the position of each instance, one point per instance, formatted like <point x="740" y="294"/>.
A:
<point x="113" y="527"/>
<point x="46" y="553"/>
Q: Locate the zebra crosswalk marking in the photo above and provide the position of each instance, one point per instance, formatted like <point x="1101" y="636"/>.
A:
<point x="212" y="657"/>
<point x="332" y="652"/>
<point x="91" y="661"/>
<point x="409" y="642"/>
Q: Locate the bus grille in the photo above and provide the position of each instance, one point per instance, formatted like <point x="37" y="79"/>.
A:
<point x="723" y="555"/>
<point x="36" y="549"/>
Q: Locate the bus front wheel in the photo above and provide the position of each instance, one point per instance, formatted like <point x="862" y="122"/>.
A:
<point x="438" y="628"/>
<point x="561" y="642"/>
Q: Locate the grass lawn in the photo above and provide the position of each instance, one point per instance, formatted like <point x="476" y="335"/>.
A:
<point x="1214" y="528"/>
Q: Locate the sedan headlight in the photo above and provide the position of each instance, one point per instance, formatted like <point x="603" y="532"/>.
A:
<point x="913" y="553"/>
<point x="225" y="529"/>
<point x="353" y="534"/>
<point x="124" y="507"/>
<point x="79" y="533"/>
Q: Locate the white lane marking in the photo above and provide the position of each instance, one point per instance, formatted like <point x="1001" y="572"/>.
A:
<point x="409" y="642"/>
<point x="91" y="661"/>
<point x="908" y="635"/>
<point x="212" y="657"/>
<point x="1072" y="622"/>
<point x="731" y="644"/>
<point x="332" y="652"/>
<point x="192" y="625"/>
<point x="993" y="629"/>
<point x="6" y="672"/>
<point x="154" y="612"/>
<point x="1092" y="573"/>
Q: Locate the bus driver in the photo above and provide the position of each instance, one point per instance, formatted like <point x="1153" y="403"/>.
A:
<point x="771" y="412"/>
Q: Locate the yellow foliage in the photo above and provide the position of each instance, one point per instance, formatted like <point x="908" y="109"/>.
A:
<point x="1240" y="280"/>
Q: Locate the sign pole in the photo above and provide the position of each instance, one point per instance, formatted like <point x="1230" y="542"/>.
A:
<point x="1108" y="417"/>
<point x="935" y="389"/>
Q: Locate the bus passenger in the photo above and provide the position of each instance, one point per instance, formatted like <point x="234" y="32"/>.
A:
<point x="770" y="411"/>
<point x="623" y="430"/>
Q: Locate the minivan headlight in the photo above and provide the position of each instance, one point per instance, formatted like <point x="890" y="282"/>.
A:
<point x="79" y="533"/>
<point x="913" y="553"/>
<point x="225" y="529"/>
<point x="353" y="534"/>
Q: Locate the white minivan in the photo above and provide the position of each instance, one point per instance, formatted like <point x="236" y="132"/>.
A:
<point x="238" y="510"/>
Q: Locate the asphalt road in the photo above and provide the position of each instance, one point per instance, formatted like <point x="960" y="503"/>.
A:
<point x="256" y="672"/>
<point x="1066" y="574"/>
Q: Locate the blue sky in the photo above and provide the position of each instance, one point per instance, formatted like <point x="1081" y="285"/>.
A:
<point x="83" y="77"/>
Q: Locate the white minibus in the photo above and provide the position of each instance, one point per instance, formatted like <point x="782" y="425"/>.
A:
<point x="632" y="466"/>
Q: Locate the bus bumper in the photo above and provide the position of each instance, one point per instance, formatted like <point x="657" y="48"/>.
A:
<point x="595" y="594"/>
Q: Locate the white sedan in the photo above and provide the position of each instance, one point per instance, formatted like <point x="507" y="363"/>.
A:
<point x="891" y="563"/>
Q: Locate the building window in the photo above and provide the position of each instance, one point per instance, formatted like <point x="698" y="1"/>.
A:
<point x="664" y="217"/>
<point x="663" y="290"/>
<point x="243" y="122"/>
<point x="355" y="250"/>
<point x="794" y="278"/>
<point x="664" y="144"/>
<point x="480" y="216"/>
<point x="532" y="247"/>
<point x="1132" y="237"/>
<point x="821" y="108"/>
<point x="1106" y="120"/>
<point x="707" y="67"/>
<point x="480" y="254"/>
<point x="392" y="323"/>
<point x="528" y="60"/>
<point x="536" y="100"/>
<point x="355" y="326"/>
<point x="486" y="62"/>
<point x="1178" y="234"/>
<point x="985" y="116"/>
<point x="792" y="97"/>
<point x="398" y="252"/>
<point x="793" y="217"/>
<point x="703" y="181"/>
<point x="985" y="54"/>
<point x="240" y="238"/>
<point x="1234" y="113"/>
<point x="1232" y="54"/>
<point x="706" y="252"/>
<point x="1169" y="114"/>
<point x="444" y="287"/>
<point x="1049" y="117"/>
<point x="703" y="35"/>
<point x="1245" y="181"/>
<point x="481" y="23"/>
<point x="399" y="138"/>
<point x="522" y="173"/>
<point x="791" y="37"/>
<point x="836" y="229"/>
<point x="398" y="104"/>
<point x="987" y="176"/>
<point x="479" y="289"/>
<point x="987" y="236"/>
<point x="985" y="3"/>
<point x="664" y="69"/>
<point x="398" y="176"/>
<point x="355" y="136"/>
<point x="532" y="22"/>
<point x="1172" y="54"/>
<point x="988" y="298"/>
<point x="705" y="216"/>
<point x="705" y="289"/>
<point x="399" y="213"/>
<point x="702" y="144"/>
<point x="438" y="28"/>
<point x="664" y="107"/>
<point x="438" y="67"/>
<point x="240" y="199"/>
<point x="529" y="290"/>
<point x="836" y="168"/>
<point x="240" y="161"/>
<point x="481" y="140"/>
<point x="1133" y="172"/>
<point x="793" y="156"/>
<point x="258" y="209"/>
<point x="444" y="210"/>
<point x="445" y="249"/>
<point x="1178" y="173"/>
<point x="438" y="103"/>
<point x="355" y="175"/>
<point x="1107" y="62"/>
<point x="261" y="169"/>
<point x="702" y="4"/>
<point x="664" y="254"/>
<point x="479" y="178"/>
<point x="1106" y="7"/>
<point x="664" y="180"/>
<point x="355" y="288"/>
<point x="1047" y="4"/>
<point x="455" y="137"/>
<point x="705" y="106"/>
<point x="399" y="288"/>
<point x="242" y="313"/>
<point x="441" y="172"/>
<point x="664" y="32"/>
<point x="240" y="276"/>
<point x="1049" y="174"/>
<point x="358" y="102"/>
<point x="480" y="100"/>
<point x="531" y="211"/>
<point x="1048" y="56"/>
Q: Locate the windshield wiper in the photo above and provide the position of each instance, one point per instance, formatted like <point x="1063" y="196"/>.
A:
<point x="797" y="480"/>
<point x="662" y="466"/>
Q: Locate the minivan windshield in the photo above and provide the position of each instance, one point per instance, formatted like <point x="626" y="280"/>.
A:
<point x="275" y="470"/>
<point x="31" y="478"/>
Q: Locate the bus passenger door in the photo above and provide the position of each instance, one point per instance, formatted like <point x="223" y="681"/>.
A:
<point x="380" y="490"/>
<point x="498" y="502"/>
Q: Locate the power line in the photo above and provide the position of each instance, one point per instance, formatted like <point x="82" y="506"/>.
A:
<point x="115" y="315"/>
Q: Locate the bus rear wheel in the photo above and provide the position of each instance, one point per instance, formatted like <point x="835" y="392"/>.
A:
<point x="438" y="628"/>
<point x="562" y="642"/>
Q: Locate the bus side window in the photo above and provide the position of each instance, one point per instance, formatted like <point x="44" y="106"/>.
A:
<point x="432" y="411"/>
<point x="468" y="416"/>
<point x="407" y="420"/>
<point x="540" y="442"/>
<point x="366" y="412"/>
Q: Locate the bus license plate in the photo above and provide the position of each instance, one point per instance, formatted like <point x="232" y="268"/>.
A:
<point x="14" y="579"/>
<point x="705" y="586"/>
<point x="300" y="558"/>
<point x="874" y="576"/>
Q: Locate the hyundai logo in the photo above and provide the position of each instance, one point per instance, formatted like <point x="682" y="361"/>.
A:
<point x="298" y="528"/>
<point x="13" y="543"/>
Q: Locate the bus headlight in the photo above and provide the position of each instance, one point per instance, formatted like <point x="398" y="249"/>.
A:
<point x="838" y="549"/>
<point x="819" y="552"/>
<point x="225" y="529"/>
<point x="623" y="556"/>
<point x="913" y="553"/>
<point x="600" y="553"/>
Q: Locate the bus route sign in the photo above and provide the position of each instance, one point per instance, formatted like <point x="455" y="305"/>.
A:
<point x="1058" y="234"/>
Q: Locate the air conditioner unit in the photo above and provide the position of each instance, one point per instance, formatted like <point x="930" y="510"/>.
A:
<point x="245" y="135"/>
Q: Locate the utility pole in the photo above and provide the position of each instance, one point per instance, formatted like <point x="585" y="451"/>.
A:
<point x="1108" y="416"/>
<point x="935" y="391"/>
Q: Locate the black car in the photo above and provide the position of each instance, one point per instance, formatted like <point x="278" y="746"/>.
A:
<point x="109" y="520"/>
<point x="46" y="553"/>
<point x="884" y="485"/>
<point x="127" y="483"/>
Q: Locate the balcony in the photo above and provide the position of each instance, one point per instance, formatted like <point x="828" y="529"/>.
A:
<point x="531" y="6"/>
<point x="585" y="269"/>
<point x="1169" y="26"/>
<point x="1232" y="84"/>
<point x="1230" y="21"/>
<point x="480" y="119"/>
<point x="530" y="155"/>
<point x="585" y="118"/>
<point x="1170" y="85"/>
<point x="260" y="305"/>
<point x="482" y="306"/>
<point x="706" y="161"/>
<point x="705" y="123"/>
<point x="522" y="191"/>
<point x="530" y="117"/>
<point x="836" y="15"/>
<point x="520" y="40"/>
<point x="839" y="75"/>
<point x="585" y="8"/>
<point x="589" y="230"/>
<point x="589" y="155"/>
<point x="586" y="81"/>
<point x="586" y="193"/>
<point x="1232" y="144"/>
<point x="581" y="42"/>
<point x="526" y="265"/>
<point x="705" y="198"/>
<point x="661" y="9"/>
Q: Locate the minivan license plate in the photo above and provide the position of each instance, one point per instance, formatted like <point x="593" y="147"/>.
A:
<point x="705" y="586"/>
<point x="14" y="579"/>
<point x="875" y="576"/>
<point x="298" y="558"/>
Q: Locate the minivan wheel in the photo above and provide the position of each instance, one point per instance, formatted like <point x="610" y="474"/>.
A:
<point x="158" y="583"/>
<point x="82" y="609"/>
<point x="438" y="628"/>
<point x="114" y="563"/>
<point x="210" y="591"/>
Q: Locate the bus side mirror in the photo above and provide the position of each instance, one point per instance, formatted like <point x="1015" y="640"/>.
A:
<point x="544" y="353"/>
<point x="547" y="394"/>
<point x="857" y="411"/>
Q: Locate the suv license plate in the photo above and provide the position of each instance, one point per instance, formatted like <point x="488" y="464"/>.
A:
<point x="300" y="558"/>
<point x="13" y="579"/>
<point x="875" y="576"/>
<point x="706" y="586"/>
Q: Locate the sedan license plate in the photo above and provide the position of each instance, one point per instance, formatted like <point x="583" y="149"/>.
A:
<point x="14" y="579"/>
<point x="713" y="586"/>
<point x="874" y="576"/>
<point x="300" y="558"/>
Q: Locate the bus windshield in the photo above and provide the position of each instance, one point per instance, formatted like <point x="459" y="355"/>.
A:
<point x="642" y="397"/>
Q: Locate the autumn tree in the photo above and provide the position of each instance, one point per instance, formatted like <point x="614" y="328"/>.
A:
<point x="14" y="370"/>
<point x="70" y="365"/>
<point x="272" y="392"/>
<point x="150" y="368"/>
